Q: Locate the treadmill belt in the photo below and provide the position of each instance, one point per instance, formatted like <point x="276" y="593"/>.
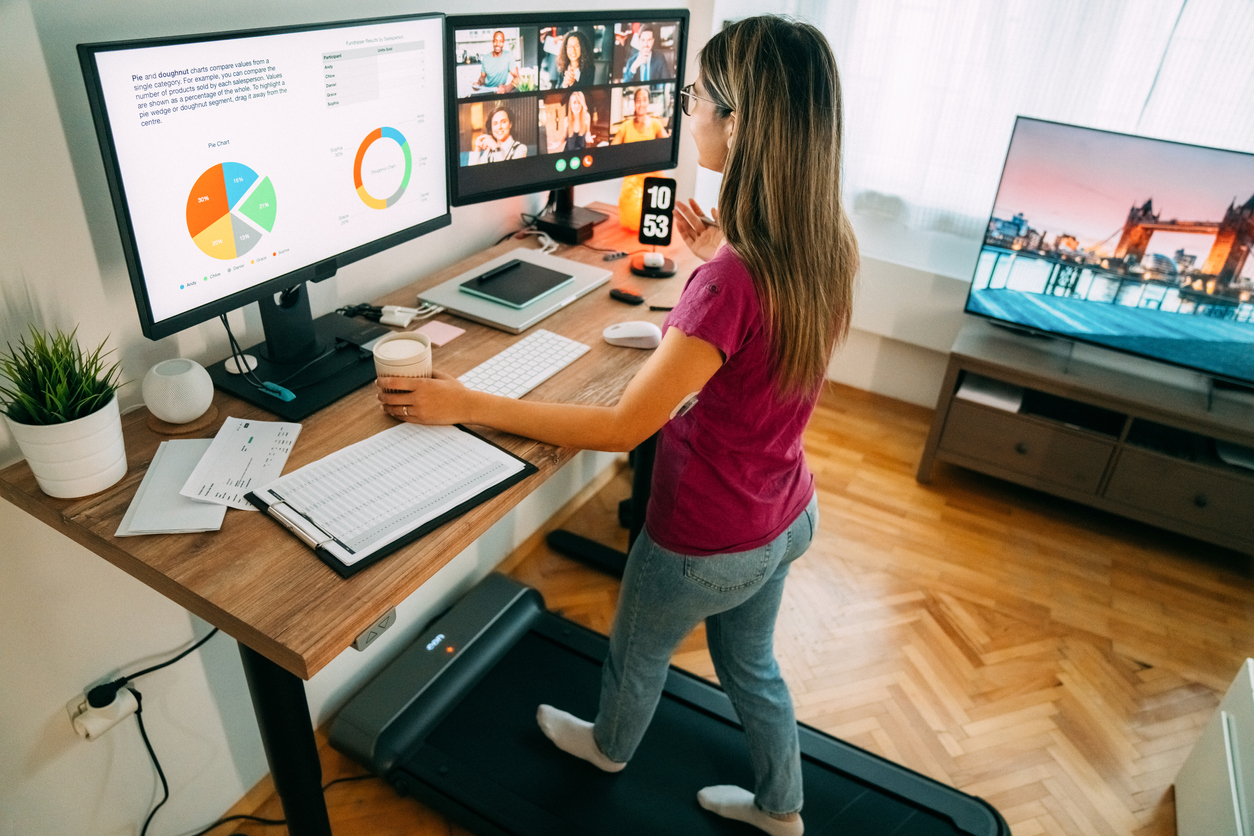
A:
<point x="489" y="756"/>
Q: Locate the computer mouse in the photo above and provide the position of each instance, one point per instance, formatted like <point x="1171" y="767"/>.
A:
<point x="633" y="334"/>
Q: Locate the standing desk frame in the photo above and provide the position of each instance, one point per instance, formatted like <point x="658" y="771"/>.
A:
<point x="291" y="614"/>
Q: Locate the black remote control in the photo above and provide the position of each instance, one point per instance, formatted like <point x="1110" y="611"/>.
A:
<point x="626" y="296"/>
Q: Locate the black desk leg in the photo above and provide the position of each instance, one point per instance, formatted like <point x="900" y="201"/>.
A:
<point x="287" y="732"/>
<point x="596" y="555"/>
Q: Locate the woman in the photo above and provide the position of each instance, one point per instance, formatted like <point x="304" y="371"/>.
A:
<point x="578" y="123"/>
<point x="574" y="61"/>
<point x="497" y="143"/>
<point x="641" y="126"/>
<point x="733" y="502"/>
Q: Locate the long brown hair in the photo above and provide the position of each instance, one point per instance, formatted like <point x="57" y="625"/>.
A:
<point x="585" y="53"/>
<point x="779" y="205"/>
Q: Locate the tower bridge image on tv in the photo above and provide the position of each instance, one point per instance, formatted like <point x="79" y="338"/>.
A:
<point x="1016" y="256"/>
<point x="1128" y="297"/>
<point x="1234" y="236"/>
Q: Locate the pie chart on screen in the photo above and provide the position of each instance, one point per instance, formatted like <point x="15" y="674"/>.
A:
<point x="229" y="209"/>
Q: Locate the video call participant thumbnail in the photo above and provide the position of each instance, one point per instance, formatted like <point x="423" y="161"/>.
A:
<point x="494" y="132"/>
<point x="576" y="57"/>
<point x="644" y="52"/>
<point x="639" y="124"/>
<point x="575" y="120"/>
<point x="494" y="61"/>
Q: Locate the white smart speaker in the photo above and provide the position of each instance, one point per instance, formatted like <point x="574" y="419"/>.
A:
<point x="179" y="395"/>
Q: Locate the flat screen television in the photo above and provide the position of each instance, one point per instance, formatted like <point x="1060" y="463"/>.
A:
<point x="1133" y="244"/>
<point x="244" y="164"/>
<point x="547" y="100"/>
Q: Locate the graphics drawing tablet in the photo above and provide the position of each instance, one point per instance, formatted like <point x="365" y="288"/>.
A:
<point x="517" y="283"/>
<point x="449" y="295"/>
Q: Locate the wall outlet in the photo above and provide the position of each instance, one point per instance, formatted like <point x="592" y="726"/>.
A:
<point x="90" y="723"/>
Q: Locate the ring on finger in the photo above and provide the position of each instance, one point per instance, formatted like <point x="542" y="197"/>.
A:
<point x="405" y="411"/>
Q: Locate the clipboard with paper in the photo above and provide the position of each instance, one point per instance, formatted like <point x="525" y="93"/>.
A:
<point x="363" y="502"/>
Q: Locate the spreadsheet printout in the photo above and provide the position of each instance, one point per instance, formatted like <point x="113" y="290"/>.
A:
<point x="363" y="497"/>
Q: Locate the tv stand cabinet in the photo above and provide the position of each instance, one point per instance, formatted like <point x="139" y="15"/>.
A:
<point x="1143" y="447"/>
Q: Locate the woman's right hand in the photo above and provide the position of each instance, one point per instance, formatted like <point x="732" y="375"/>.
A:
<point x="438" y="400"/>
<point x="702" y="238"/>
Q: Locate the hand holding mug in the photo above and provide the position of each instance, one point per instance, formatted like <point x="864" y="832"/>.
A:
<point x="438" y="400"/>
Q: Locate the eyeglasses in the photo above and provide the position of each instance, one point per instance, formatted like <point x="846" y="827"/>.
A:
<point x="687" y="100"/>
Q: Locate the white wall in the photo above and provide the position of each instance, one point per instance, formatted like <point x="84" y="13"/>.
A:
<point x="69" y="619"/>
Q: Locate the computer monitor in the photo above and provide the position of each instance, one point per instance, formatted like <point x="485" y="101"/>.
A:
<point x="244" y="164"/>
<point x="546" y="101"/>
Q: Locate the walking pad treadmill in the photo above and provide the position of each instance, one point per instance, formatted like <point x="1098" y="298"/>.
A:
<point x="452" y="723"/>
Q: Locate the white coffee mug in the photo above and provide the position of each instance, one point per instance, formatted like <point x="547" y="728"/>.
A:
<point x="403" y="354"/>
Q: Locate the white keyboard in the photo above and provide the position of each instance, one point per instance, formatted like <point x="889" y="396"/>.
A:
<point x="524" y="365"/>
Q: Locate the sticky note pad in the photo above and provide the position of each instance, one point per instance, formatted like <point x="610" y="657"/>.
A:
<point x="440" y="332"/>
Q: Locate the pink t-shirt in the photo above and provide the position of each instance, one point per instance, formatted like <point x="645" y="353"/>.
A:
<point x="730" y="475"/>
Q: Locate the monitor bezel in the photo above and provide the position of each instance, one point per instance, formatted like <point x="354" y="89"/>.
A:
<point x="455" y="22"/>
<point x="313" y="272"/>
<point x="1034" y="331"/>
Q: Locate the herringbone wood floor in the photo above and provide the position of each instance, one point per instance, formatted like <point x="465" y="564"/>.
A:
<point x="1057" y="661"/>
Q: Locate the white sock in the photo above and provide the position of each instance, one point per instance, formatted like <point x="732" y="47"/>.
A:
<point x="574" y="736"/>
<point x="732" y="802"/>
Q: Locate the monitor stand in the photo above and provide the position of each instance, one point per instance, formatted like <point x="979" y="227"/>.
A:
<point x="567" y="222"/>
<point x="293" y="339"/>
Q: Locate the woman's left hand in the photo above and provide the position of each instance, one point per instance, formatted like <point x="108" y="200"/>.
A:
<point x="703" y="239"/>
<point x="436" y="400"/>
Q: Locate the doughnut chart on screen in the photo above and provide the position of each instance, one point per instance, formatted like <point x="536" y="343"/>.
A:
<point x="360" y="182"/>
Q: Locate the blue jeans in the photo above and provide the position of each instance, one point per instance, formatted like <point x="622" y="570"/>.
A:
<point x="664" y="595"/>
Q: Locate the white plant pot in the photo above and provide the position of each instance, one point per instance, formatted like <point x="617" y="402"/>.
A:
<point x="77" y="458"/>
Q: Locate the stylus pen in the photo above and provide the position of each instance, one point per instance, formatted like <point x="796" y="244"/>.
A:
<point x="708" y="221"/>
<point x="661" y="307"/>
<point x="492" y="274"/>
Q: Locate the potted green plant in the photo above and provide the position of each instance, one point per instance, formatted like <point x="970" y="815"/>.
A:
<point x="61" y="405"/>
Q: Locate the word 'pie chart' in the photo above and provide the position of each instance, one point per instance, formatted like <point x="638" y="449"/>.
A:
<point x="228" y="209"/>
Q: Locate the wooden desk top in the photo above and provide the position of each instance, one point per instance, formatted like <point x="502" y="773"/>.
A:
<point x="259" y="583"/>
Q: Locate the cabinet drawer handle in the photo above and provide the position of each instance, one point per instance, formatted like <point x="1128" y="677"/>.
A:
<point x="1021" y="447"/>
<point x="1201" y="501"/>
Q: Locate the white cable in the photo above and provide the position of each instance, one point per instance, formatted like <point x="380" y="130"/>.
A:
<point x="547" y="245"/>
<point x="402" y="317"/>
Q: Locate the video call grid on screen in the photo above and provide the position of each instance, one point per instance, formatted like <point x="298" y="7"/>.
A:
<point x="548" y="101"/>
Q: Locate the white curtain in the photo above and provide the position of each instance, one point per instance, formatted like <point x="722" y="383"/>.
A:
<point x="932" y="88"/>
